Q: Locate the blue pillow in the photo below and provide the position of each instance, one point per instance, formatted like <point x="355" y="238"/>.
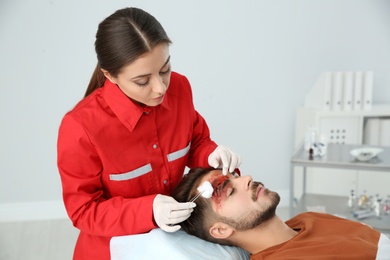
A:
<point x="158" y="244"/>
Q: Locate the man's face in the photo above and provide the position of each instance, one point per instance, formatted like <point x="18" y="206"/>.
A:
<point x="239" y="201"/>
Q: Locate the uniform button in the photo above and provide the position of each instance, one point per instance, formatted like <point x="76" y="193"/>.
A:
<point x="155" y="146"/>
<point x="146" y="112"/>
<point x="165" y="182"/>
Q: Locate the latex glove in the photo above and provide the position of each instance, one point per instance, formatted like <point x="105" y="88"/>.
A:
<point x="168" y="212"/>
<point x="225" y="158"/>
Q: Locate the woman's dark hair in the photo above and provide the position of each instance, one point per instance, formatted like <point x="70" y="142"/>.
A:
<point x="122" y="38"/>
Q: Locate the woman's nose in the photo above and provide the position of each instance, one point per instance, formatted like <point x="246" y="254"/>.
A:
<point x="159" y="86"/>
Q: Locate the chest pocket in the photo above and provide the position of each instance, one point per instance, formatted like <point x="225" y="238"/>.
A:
<point x="132" y="174"/>
<point x="178" y="154"/>
<point x="177" y="161"/>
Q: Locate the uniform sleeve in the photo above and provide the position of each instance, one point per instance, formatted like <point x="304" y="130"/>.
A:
<point x="201" y="143"/>
<point x="80" y="169"/>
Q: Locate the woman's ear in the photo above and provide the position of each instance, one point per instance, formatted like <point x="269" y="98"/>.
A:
<point x="108" y="75"/>
<point x="221" y="231"/>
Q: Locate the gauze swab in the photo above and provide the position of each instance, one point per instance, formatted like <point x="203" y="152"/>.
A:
<point x="205" y="189"/>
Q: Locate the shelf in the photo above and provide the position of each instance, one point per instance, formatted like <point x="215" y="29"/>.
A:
<point x="337" y="205"/>
<point x="338" y="156"/>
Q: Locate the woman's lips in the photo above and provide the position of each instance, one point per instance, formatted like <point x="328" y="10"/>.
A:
<point x="159" y="99"/>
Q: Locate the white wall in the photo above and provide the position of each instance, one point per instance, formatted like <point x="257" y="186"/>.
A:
<point x="250" y="64"/>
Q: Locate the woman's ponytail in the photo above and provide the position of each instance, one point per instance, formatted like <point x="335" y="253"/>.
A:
<point x="97" y="81"/>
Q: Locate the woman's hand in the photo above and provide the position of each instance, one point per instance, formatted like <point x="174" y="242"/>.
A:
<point x="168" y="212"/>
<point x="225" y="158"/>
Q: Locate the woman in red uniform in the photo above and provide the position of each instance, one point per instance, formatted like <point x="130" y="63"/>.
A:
<point x="124" y="147"/>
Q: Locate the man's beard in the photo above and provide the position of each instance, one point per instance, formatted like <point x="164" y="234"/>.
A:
<point x="256" y="217"/>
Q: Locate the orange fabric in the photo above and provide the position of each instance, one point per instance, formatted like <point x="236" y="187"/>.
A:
<point x="325" y="237"/>
<point x="114" y="157"/>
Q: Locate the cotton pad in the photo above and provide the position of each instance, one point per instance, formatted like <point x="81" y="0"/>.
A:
<point x="206" y="189"/>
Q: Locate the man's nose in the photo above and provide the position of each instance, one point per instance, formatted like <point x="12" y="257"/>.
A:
<point x="246" y="182"/>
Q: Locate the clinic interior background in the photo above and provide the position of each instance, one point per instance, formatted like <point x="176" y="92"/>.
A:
<point x="250" y="64"/>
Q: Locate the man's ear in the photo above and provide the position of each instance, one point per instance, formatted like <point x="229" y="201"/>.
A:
<point x="109" y="76"/>
<point x="221" y="231"/>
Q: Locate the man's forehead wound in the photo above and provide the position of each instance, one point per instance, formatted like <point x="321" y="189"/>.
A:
<point x="219" y="183"/>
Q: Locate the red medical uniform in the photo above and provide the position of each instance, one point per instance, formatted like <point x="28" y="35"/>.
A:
<point x="115" y="156"/>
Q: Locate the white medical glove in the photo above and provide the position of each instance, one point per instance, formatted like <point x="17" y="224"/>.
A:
<point x="168" y="212"/>
<point x="225" y="158"/>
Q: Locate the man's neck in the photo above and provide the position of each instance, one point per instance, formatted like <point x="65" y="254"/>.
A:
<point x="271" y="233"/>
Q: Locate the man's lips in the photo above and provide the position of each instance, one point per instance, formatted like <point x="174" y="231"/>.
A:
<point x="260" y="190"/>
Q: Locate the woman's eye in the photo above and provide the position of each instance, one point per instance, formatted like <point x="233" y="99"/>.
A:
<point x="166" y="71"/>
<point x="142" y="84"/>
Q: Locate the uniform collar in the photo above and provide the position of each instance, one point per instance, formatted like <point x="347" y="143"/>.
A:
<point x="127" y="111"/>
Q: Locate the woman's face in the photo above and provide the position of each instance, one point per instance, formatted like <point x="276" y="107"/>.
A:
<point x="147" y="78"/>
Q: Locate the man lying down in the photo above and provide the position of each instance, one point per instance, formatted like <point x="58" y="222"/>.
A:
<point x="241" y="212"/>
